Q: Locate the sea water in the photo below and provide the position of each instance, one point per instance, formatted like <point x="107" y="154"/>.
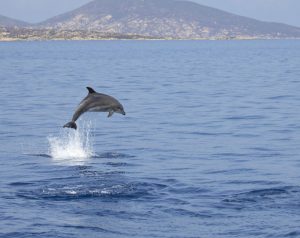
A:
<point x="209" y="147"/>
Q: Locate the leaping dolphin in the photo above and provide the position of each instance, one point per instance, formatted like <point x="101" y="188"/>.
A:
<point x="96" y="102"/>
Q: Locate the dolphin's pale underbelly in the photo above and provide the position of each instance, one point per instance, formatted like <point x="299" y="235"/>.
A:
<point x="99" y="109"/>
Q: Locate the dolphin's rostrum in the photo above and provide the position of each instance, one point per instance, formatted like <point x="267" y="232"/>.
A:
<point x="96" y="102"/>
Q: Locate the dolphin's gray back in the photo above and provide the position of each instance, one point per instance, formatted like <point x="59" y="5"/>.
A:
<point x="95" y="102"/>
<point x="81" y="108"/>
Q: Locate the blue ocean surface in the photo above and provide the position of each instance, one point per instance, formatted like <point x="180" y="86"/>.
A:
<point x="209" y="148"/>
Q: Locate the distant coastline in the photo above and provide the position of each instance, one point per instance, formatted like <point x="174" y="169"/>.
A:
<point x="137" y="39"/>
<point x="25" y="34"/>
<point x="145" y="20"/>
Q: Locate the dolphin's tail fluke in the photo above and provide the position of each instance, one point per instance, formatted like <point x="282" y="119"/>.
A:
<point x="71" y="124"/>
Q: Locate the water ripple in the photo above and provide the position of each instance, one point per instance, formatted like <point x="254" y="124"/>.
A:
<point x="268" y="197"/>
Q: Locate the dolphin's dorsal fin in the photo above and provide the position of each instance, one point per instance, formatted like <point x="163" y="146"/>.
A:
<point x="91" y="90"/>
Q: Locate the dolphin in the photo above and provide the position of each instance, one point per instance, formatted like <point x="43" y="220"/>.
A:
<point x="96" y="102"/>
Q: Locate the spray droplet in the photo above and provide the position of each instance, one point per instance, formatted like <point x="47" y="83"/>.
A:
<point x="72" y="144"/>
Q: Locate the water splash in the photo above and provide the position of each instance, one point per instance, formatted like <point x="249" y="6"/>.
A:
<point x="72" y="145"/>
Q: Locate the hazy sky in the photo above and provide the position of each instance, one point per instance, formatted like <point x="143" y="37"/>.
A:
<point x="286" y="11"/>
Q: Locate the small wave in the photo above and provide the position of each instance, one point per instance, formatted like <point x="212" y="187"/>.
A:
<point x="71" y="144"/>
<point x="20" y="184"/>
<point x="281" y="196"/>
<point x="40" y="155"/>
<point x="99" y="187"/>
<point x="117" y="164"/>
<point x="112" y="155"/>
<point x="77" y="192"/>
<point x="292" y="234"/>
<point x="84" y="191"/>
<point x="186" y="212"/>
<point x="256" y="195"/>
<point x="249" y="117"/>
<point x="266" y="192"/>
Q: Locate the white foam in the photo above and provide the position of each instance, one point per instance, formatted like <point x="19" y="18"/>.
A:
<point x="72" y="145"/>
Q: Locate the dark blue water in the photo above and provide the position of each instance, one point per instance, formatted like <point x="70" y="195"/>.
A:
<point x="210" y="145"/>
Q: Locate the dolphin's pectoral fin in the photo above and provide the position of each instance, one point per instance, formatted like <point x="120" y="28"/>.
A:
<point x="110" y="113"/>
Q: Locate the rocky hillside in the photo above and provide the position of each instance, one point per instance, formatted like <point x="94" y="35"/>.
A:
<point x="144" y="19"/>
<point x="6" y="22"/>
<point x="8" y="25"/>
<point x="166" y="19"/>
